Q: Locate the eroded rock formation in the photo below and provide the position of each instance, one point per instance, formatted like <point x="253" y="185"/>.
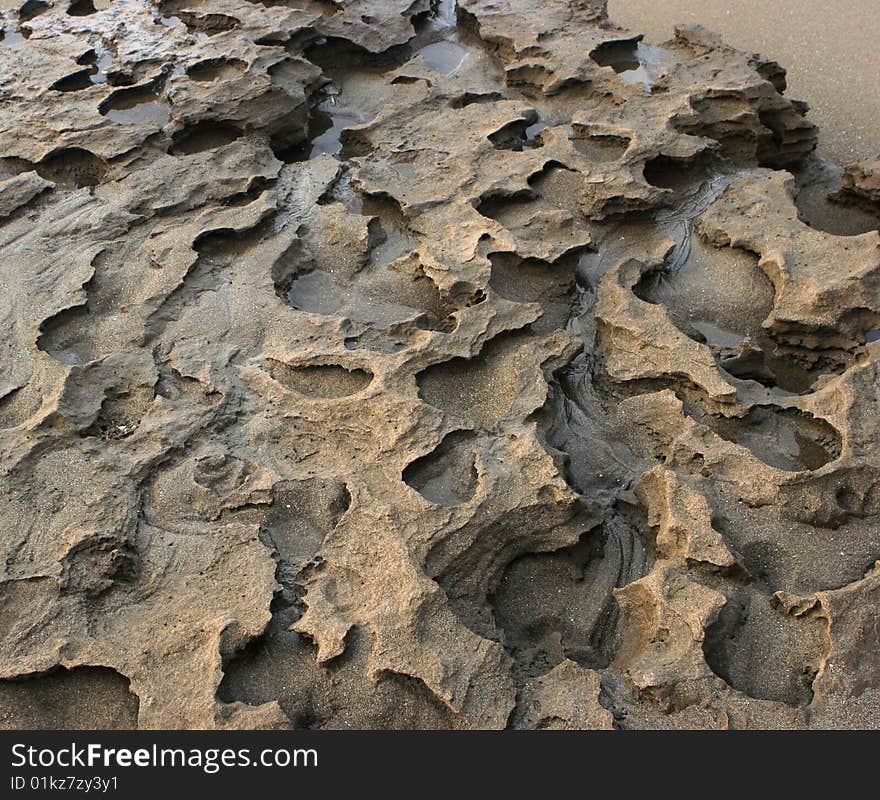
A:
<point x="416" y="364"/>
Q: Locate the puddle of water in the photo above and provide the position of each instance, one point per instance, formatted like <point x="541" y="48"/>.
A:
<point x="443" y="19"/>
<point x="340" y="117"/>
<point x="104" y="61"/>
<point x="873" y="336"/>
<point x="11" y="37"/>
<point x="443" y="57"/>
<point x="637" y="63"/>
<point x="717" y="337"/>
<point x="439" y="42"/>
<point x="395" y="240"/>
<point x="533" y="130"/>
<point x="98" y="61"/>
<point x="532" y="134"/>
<point x="717" y="294"/>
<point x="156" y="112"/>
<point x="136" y="106"/>
<point x="174" y="21"/>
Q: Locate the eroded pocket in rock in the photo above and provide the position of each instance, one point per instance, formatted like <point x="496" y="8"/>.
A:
<point x="822" y="204"/>
<point x="138" y="105"/>
<point x="720" y="289"/>
<point x="281" y="666"/>
<point x="785" y="438"/>
<point x="212" y="69"/>
<point x="598" y="147"/>
<point x="300" y="518"/>
<point x="121" y="413"/>
<point x="483" y="388"/>
<point x="633" y="60"/>
<point x="763" y="653"/>
<point x="75" y="82"/>
<point x="446" y="476"/>
<point x="203" y="136"/>
<point x="385" y="302"/>
<point x="81" y="8"/>
<point x="32" y="9"/>
<point x="719" y="296"/>
<point x="17" y="405"/>
<point x="208" y="24"/>
<point x="327" y="381"/>
<point x="73" y="167"/>
<point x="516" y="135"/>
<point x="558" y="605"/>
<point x="96" y="698"/>
<point x="529" y="280"/>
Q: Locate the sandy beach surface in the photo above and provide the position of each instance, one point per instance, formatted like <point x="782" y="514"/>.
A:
<point x="829" y="50"/>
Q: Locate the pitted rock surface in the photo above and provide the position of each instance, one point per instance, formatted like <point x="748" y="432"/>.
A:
<point x="402" y="364"/>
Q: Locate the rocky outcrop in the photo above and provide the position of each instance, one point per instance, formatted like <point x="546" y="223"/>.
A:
<point x="407" y="365"/>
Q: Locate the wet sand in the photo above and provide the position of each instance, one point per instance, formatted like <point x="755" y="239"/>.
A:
<point x="828" y="48"/>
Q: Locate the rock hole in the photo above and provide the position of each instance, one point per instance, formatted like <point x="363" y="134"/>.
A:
<point x="79" y="80"/>
<point x="599" y="146"/>
<point x="73" y="167"/>
<point x="676" y="174"/>
<point x="17" y="406"/>
<point x="787" y="439"/>
<point x="824" y="205"/>
<point x="619" y="55"/>
<point x="444" y="58"/>
<point x="302" y="515"/>
<point x="208" y="24"/>
<point x="81" y="8"/>
<point x="553" y="606"/>
<point x="552" y="286"/>
<point x="471" y="98"/>
<point x="138" y="105"/>
<point x="121" y="413"/>
<point x="763" y="653"/>
<point x="633" y="60"/>
<point x="498" y="206"/>
<point x="282" y="666"/>
<point x="11" y="166"/>
<point x="328" y="381"/>
<point x="514" y="135"/>
<point x="203" y="136"/>
<point x="481" y="389"/>
<point x="212" y="69"/>
<point x="31" y="9"/>
<point x="81" y="698"/>
<point x="446" y="476"/>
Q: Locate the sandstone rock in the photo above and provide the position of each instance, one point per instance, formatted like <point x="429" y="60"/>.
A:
<point x="408" y="365"/>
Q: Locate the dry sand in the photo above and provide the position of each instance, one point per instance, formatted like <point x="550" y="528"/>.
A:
<point x="829" y="50"/>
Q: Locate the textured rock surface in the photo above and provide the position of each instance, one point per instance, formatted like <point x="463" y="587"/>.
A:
<point x="410" y="364"/>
